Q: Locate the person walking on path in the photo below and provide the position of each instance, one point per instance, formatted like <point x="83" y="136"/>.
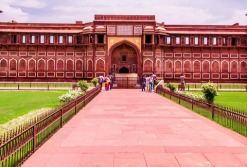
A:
<point x="182" y="80"/>
<point x="154" y="78"/>
<point x="111" y="80"/>
<point x="151" y="82"/>
<point x="143" y="83"/>
<point x="101" y="80"/>
<point x="147" y="83"/>
<point x="107" y="83"/>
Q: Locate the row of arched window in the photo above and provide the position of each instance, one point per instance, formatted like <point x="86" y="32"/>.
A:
<point x="197" y="66"/>
<point x="168" y="65"/>
<point x="49" y="65"/>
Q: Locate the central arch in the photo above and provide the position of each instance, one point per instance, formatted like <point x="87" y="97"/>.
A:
<point x="124" y="57"/>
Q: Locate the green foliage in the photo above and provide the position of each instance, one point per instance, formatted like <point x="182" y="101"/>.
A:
<point x="210" y="91"/>
<point x="70" y="95"/>
<point x="94" y="81"/>
<point x="83" y="85"/>
<point x="193" y="95"/>
<point x="171" y="86"/>
<point x="156" y="82"/>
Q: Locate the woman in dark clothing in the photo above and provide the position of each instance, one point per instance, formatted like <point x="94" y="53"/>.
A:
<point x="143" y="83"/>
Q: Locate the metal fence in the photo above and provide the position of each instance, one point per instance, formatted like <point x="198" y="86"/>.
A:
<point x="36" y="85"/>
<point x="237" y="87"/>
<point x="19" y="143"/>
<point x="126" y="82"/>
<point x="226" y="116"/>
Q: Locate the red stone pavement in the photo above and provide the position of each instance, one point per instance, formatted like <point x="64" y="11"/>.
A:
<point x="130" y="128"/>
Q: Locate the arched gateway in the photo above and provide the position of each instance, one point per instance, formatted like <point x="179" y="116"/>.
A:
<point x="124" y="63"/>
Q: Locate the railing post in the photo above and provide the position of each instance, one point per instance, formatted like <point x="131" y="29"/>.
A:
<point x="48" y="87"/>
<point x="61" y="118"/>
<point x="212" y="112"/>
<point x="75" y="107"/>
<point x="179" y="99"/>
<point x="192" y="104"/>
<point x="18" y="87"/>
<point x="34" y="138"/>
<point x="84" y="100"/>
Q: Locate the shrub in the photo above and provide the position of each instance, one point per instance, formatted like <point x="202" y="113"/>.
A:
<point x="171" y="86"/>
<point x="192" y="95"/>
<point x="94" y="81"/>
<point x="83" y="85"/>
<point x="70" y="95"/>
<point x="210" y="91"/>
<point x="156" y="82"/>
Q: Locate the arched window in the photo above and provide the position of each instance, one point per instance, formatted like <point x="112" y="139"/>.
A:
<point x="51" y="65"/>
<point x="187" y="66"/>
<point x="90" y="65"/>
<point x="70" y="65"/>
<point x="22" y="65"/>
<point x="158" y="65"/>
<point x="41" y="65"/>
<point x="12" y="65"/>
<point x="224" y="66"/>
<point x="234" y="66"/>
<point x="148" y="66"/>
<point x="100" y="65"/>
<point x="178" y="66"/>
<point x="31" y="65"/>
<point x="197" y="66"/>
<point x="168" y="66"/>
<point x="215" y="67"/>
<point x="60" y="65"/>
<point x="243" y="66"/>
<point x="79" y="66"/>
<point x="3" y="65"/>
<point x="205" y="66"/>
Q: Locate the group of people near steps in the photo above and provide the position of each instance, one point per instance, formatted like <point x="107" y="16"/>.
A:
<point x="108" y="80"/>
<point x="147" y="82"/>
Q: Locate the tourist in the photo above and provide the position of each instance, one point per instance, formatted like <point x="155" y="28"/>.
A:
<point x="147" y="83"/>
<point x="111" y="80"/>
<point x="143" y="83"/>
<point x="154" y="78"/>
<point x="151" y="82"/>
<point x="107" y="82"/>
<point x="100" y="81"/>
<point x="182" y="80"/>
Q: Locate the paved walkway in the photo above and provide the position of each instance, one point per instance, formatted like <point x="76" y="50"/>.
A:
<point x="130" y="128"/>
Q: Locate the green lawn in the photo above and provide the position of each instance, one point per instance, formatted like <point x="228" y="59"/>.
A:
<point x="232" y="99"/>
<point x="237" y="100"/>
<point x="17" y="103"/>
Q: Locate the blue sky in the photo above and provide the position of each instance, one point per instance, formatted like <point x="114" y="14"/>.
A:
<point x="226" y="12"/>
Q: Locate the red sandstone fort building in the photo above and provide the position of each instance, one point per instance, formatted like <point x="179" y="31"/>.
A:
<point x="122" y="44"/>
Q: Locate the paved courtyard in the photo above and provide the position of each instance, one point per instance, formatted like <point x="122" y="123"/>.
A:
<point x="130" y="128"/>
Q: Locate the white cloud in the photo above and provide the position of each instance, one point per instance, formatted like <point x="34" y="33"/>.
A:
<point x="12" y="13"/>
<point x="238" y="16"/>
<point x="28" y="3"/>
